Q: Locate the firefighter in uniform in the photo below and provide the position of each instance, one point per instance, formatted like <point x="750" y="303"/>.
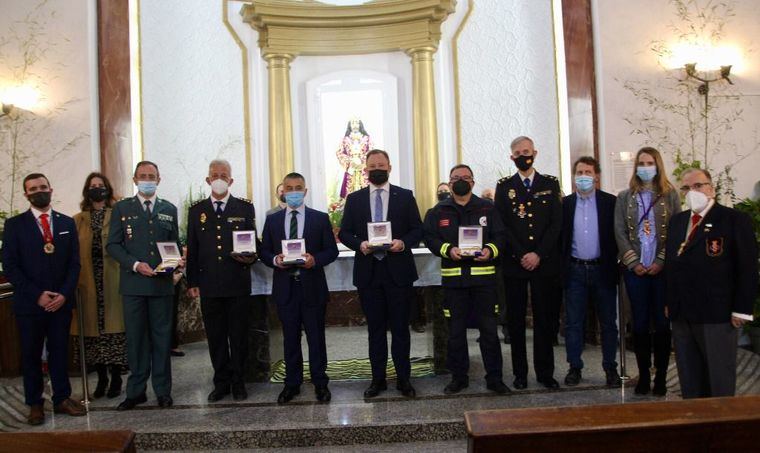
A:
<point x="530" y="208"/>
<point x="469" y="282"/>
<point x="222" y="281"/>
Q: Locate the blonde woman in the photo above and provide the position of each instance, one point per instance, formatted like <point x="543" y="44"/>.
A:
<point x="642" y="213"/>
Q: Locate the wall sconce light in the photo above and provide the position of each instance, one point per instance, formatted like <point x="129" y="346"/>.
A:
<point x="704" y="88"/>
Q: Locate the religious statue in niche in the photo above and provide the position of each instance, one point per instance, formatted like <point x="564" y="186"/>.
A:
<point x="352" y="156"/>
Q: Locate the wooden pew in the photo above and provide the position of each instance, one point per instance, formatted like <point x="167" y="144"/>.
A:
<point x="711" y="424"/>
<point x="68" y="441"/>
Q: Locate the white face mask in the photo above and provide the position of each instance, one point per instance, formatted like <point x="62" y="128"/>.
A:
<point x="696" y="201"/>
<point x="219" y="186"/>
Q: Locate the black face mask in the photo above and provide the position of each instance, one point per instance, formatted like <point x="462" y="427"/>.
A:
<point x="443" y="195"/>
<point x="39" y="199"/>
<point x="97" y="194"/>
<point x="523" y="163"/>
<point x="378" y="177"/>
<point x="461" y="188"/>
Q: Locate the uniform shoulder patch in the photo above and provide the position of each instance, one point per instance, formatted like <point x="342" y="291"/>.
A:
<point x="554" y="178"/>
<point x="197" y="202"/>
<point x="245" y="200"/>
<point x="504" y="179"/>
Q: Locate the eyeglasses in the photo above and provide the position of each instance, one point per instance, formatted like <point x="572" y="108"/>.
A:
<point x="695" y="186"/>
<point x="461" y="178"/>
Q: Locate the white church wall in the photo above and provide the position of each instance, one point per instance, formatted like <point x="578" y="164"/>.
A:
<point x="68" y="73"/>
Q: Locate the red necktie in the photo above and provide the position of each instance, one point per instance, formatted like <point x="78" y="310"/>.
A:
<point x="694" y="222"/>
<point x="47" y="235"/>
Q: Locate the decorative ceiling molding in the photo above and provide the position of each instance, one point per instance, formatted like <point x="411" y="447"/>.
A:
<point x="301" y="28"/>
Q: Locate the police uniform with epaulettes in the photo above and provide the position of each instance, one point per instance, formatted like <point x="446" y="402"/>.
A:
<point x="468" y="284"/>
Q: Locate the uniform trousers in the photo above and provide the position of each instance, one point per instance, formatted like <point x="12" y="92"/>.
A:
<point x="148" y="326"/>
<point x="387" y="305"/>
<point x="482" y="301"/>
<point x="226" y="322"/>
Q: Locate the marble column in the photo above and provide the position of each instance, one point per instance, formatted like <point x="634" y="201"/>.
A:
<point x="425" y="130"/>
<point x="281" y="161"/>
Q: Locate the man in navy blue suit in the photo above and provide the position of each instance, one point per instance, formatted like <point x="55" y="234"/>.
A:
<point x="300" y="292"/>
<point x="384" y="278"/>
<point x="589" y="269"/>
<point x="41" y="260"/>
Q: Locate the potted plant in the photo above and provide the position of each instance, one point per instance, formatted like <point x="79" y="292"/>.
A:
<point x="752" y="208"/>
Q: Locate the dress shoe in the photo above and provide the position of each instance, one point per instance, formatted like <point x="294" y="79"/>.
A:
<point x="520" y="383"/>
<point x="613" y="378"/>
<point x="406" y="389"/>
<point x="217" y="394"/>
<point x="239" y="393"/>
<point x="573" y="377"/>
<point x="177" y="353"/>
<point x="323" y="393"/>
<point x="70" y="407"/>
<point x="549" y="383"/>
<point x="375" y="387"/>
<point x="287" y="394"/>
<point x="642" y="386"/>
<point x="165" y="401"/>
<point x="36" y="415"/>
<point x="456" y="386"/>
<point x="499" y="387"/>
<point x="130" y="403"/>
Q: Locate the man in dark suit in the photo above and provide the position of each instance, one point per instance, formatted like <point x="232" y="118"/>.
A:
<point x="711" y="275"/>
<point x="221" y="279"/>
<point x="300" y="292"/>
<point x="384" y="278"/>
<point x="589" y="269"/>
<point x="530" y="205"/>
<point x="41" y="260"/>
<point x="137" y="224"/>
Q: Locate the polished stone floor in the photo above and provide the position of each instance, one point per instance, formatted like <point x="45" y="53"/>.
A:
<point x="433" y="421"/>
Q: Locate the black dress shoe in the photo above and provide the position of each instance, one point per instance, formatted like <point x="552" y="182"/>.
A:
<point x="287" y="394"/>
<point x="573" y="377"/>
<point x="520" y="383"/>
<point x="375" y="387"/>
<point x="323" y="393"/>
<point x="456" y="386"/>
<point x="165" y="401"/>
<point x="406" y="389"/>
<point x="239" y="393"/>
<point x="499" y="387"/>
<point x="613" y="378"/>
<point x="176" y="353"/>
<point x="549" y="383"/>
<point x="217" y="394"/>
<point x="130" y="403"/>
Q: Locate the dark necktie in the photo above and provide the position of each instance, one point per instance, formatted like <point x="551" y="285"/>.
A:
<point x="378" y="217"/>
<point x="218" y="207"/>
<point x="147" y="207"/>
<point x="694" y="222"/>
<point x="526" y="181"/>
<point x="293" y="225"/>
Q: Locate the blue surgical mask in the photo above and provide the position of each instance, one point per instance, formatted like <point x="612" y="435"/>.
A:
<point x="584" y="183"/>
<point x="646" y="174"/>
<point x="294" y="199"/>
<point x="147" y="188"/>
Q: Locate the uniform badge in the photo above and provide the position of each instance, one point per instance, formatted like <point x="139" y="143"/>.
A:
<point x="714" y="247"/>
<point x="49" y="248"/>
<point x="203" y="217"/>
<point x="444" y="223"/>
<point x="521" y="213"/>
<point x="129" y="231"/>
<point x="511" y="194"/>
<point x="483" y="221"/>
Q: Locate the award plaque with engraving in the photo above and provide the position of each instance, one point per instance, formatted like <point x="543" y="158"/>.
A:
<point x="243" y="243"/>
<point x="379" y="235"/>
<point x="170" y="257"/>
<point x="292" y="251"/>
<point x="470" y="240"/>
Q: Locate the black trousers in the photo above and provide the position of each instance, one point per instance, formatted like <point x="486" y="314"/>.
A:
<point x="482" y="301"/>
<point x="543" y="291"/>
<point x="387" y="305"/>
<point x="226" y="323"/>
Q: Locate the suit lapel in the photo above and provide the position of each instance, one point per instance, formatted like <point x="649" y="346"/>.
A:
<point x="392" y="202"/>
<point x="699" y="235"/>
<point x="31" y="223"/>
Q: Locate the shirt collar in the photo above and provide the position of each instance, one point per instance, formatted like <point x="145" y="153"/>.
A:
<point x="373" y="188"/>
<point x="301" y="210"/>
<point x="531" y="177"/>
<point x="37" y="213"/>
<point x="590" y="196"/>
<point x="142" y="200"/>
<point x="223" y="200"/>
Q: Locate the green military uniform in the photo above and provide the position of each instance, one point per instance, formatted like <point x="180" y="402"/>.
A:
<point x="147" y="300"/>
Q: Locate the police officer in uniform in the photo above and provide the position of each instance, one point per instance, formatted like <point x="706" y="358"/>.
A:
<point x="530" y="207"/>
<point x="469" y="283"/>
<point x="222" y="280"/>
<point x="137" y="223"/>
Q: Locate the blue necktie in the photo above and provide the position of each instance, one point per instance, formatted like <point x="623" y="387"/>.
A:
<point x="218" y="207"/>
<point x="378" y="217"/>
<point x="526" y="181"/>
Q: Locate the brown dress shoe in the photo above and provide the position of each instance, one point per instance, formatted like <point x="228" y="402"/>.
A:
<point x="70" y="407"/>
<point x="36" y="415"/>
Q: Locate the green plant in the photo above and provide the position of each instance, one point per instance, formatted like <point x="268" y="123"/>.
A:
<point x="192" y="196"/>
<point x="752" y="208"/>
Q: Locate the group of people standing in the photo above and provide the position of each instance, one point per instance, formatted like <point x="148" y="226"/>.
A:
<point x="696" y="270"/>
